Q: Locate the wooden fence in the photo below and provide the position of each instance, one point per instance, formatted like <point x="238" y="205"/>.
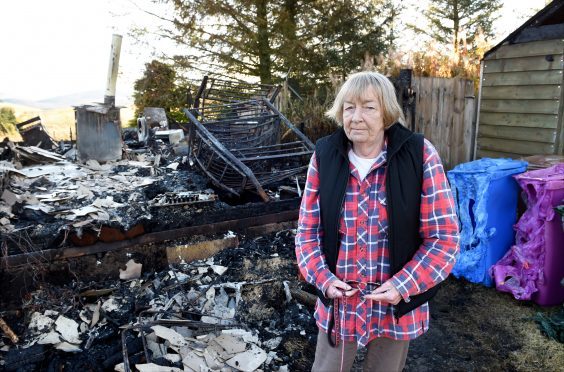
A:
<point x="444" y="111"/>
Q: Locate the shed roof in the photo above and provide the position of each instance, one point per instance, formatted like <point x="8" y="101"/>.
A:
<point x="547" y="24"/>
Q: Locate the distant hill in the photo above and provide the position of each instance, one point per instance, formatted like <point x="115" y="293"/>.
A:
<point x="59" y="121"/>
<point x="68" y="100"/>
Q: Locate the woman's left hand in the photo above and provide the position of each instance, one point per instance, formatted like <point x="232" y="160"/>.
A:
<point x="385" y="293"/>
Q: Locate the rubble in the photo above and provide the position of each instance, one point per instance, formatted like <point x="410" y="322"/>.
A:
<point x="201" y="314"/>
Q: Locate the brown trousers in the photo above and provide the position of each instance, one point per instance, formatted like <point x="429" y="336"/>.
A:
<point x="383" y="354"/>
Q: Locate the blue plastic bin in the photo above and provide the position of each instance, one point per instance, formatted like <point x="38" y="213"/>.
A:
<point x="486" y="197"/>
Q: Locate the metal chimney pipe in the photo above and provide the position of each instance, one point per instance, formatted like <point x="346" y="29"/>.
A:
<point x="110" y="94"/>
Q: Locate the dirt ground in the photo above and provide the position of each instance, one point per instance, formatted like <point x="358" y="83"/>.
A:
<point x="478" y="328"/>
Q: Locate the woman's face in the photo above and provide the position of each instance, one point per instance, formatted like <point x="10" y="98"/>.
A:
<point x="363" y="118"/>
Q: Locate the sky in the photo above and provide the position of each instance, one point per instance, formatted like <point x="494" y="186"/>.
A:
<point x="61" y="47"/>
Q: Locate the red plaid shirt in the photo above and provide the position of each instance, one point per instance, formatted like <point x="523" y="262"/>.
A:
<point x="363" y="254"/>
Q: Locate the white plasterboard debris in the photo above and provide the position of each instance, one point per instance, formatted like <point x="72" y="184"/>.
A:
<point x="222" y="299"/>
<point x="283" y="368"/>
<point x="83" y="315"/>
<point x="170" y="335"/>
<point x="156" y="348"/>
<point x="152" y="336"/>
<point x="184" y="331"/>
<point x="119" y="367"/>
<point x="229" y="234"/>
<point x="83" y="223"/>
<point x="39" y="207"/>
<point x="214" y="349"/>
<point x="107" y="202"/>
<point x="68" y="347"/>
<point x="96" y="314"/>
<point x="287" y="291"/>
<point x="51" y="313"/>
<point x="181" y="277"/>
<point x="231" y="344"/>
<point x="7" y="210"/>
<point x="173" y="166"/>
<point x="132" y="271"/>
<point x="120" y="177"/>
<point x="211" y="359"/>
<point x="68" y="329"/>
<point x="94" y="165"/>
<point x="4" y="221"/>
<point x="245" y="335"/>
<point x="302" y="332"/>
<point x="102" y="216"/>
<point x="39" y="322"/>
<point x="193" y="361"/>
<point x="7" y="166"/>
<point x="152" y="367"/>
<point x="173" y="358"/>
<point x="175" y="136"/>
<point x="83" y="192"/>
<point x="111" y="304"/>
<point x="209" y="319"/>
<point x="143" y="182"/>
<point x="139" y="164"/>
<point x="9" y="197"/>
<point x="84" y="211"/>
<point x="218" y="269"/>
<point x="273" y="343"/>
<point x="49" y="338"/>
<point x="249" y="360"/>
<point x="40" y="151"/>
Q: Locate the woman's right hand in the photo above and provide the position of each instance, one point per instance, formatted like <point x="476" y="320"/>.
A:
<point x="338" y="289"/>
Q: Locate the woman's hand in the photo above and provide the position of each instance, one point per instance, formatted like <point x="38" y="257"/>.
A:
<point x="385" y="293"/>
<point x="338" y="289"/>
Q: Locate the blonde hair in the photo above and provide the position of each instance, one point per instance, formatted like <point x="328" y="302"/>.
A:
<point x="355" y="87"/>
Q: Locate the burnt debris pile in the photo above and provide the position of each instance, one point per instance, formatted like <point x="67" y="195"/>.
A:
<point x="117" y="251"/>
<point x="232" y="312"/>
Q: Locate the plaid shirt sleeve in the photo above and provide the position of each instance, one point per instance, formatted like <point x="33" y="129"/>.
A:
<point x="435" y="258"/>
<point x="311" y="260"/>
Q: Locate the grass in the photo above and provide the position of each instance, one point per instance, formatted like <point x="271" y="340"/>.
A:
<point x="58" y="122"/>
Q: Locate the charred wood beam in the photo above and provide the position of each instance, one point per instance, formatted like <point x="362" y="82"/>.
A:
<point x="32" y="120"/>
<point x="303" y="297"/>
<point x="156" y="237"/>
<point x="200" y="92"/>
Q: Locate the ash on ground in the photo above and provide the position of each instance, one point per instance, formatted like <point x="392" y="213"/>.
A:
<point x="230" y="312"/>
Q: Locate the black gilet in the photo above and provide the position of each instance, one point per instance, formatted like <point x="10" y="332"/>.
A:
<point x="404" y="177"/>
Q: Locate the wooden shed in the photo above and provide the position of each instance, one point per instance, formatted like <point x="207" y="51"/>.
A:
<point x="521" y="97"/>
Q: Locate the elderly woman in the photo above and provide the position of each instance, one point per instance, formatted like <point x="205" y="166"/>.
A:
<point x="377" y="230"/>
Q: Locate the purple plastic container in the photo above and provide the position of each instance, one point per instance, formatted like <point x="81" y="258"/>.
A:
<point x="534" y="266"/>
<point x="551" y="292"/>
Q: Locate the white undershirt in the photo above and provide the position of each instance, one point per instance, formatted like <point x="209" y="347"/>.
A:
<point x="362" y="165"/>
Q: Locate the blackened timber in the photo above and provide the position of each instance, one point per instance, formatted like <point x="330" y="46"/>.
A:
<point x="156" y="237"/>
<point x="29" y="121"/>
